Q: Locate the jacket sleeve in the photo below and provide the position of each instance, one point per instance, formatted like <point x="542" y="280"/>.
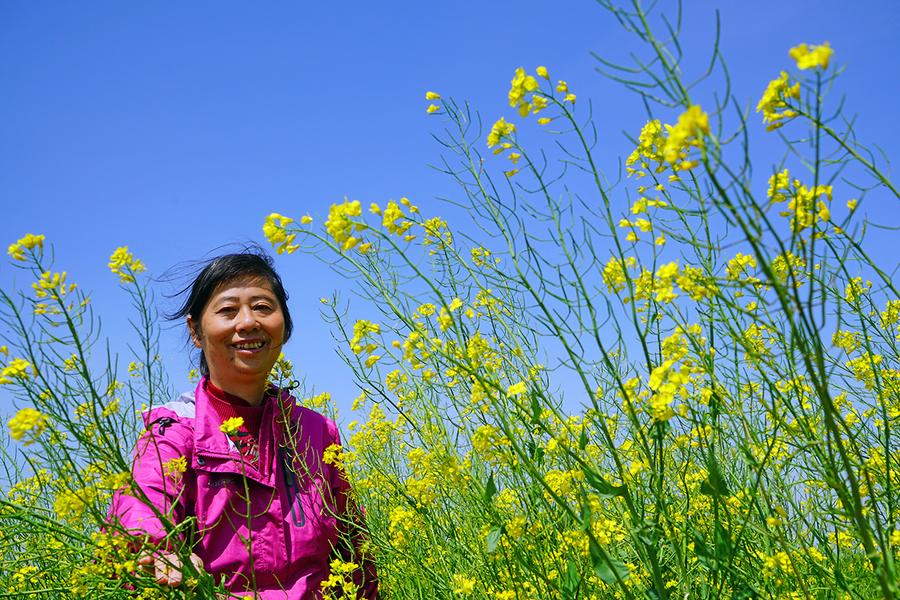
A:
<point x="158" y="498"/>
<point x="353" y="538"/>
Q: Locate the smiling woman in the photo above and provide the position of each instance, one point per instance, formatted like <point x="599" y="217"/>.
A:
<point x="232" y="478"/>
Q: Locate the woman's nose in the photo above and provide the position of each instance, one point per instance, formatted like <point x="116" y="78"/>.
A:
<point x="246" y="320"/>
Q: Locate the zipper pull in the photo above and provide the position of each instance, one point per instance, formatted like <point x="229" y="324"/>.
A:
<point x="163" y="423"/>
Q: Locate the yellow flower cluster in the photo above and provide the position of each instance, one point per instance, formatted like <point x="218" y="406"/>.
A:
<point x="395" y="220"/>
<point x="856" y="288"/>
<point x="340" y="580"/>
<point x="437" y="233"/>
<point x="671" y="378"/>
<point x="462" y="585"/>
<point x="670" y="143"/>
<point x="811" y="57"/>
<point x="275" y="230"/>
<point x="341" y="227"/>
<point x="231" y="426"/>
<point x="432" y="108"/>
<point x="17" y="368"/>
<point x="28" y="242"/>
<point x="774" y="102"/>
<point x="28" y="423"/>
<point x="71" y="504"/>
<point x="362" y="330"/>
<point x="404" y="524"/>
<point x="125" y="265"/>
<point x="520" y="86"/>
<point x="52" y="286"/>
<point x="614" y="273"/>
<point x="174" y="467"/>
<point x="500" y="130"/>
<point x="688" y="131"/>
<point x="805" y="206"/>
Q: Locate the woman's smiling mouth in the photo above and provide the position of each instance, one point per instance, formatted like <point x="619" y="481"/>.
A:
<point x="250" y="345"/>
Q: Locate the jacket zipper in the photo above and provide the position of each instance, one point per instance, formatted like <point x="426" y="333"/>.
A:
<point x="293" y="490"/>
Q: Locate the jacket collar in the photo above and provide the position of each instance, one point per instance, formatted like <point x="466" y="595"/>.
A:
<point x="213" y="446"/>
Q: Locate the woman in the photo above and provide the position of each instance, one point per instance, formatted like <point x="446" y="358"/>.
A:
<point x="240" y="456"/>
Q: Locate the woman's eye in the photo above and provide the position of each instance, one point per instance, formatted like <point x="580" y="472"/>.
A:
<point x="227" y="310"/>
<point x="263" y="308"/>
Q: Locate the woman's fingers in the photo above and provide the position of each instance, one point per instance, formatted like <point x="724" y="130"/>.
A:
<point x="168" y="570"/>
<point x="167" y="567"/>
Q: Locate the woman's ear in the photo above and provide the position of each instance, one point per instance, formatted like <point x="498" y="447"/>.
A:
<point x="194" y="330"/>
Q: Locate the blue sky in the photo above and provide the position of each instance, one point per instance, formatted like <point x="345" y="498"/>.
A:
<point x="174" y="128"/>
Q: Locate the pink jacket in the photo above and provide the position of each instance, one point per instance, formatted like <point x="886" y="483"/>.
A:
<point x="294" y="498"/>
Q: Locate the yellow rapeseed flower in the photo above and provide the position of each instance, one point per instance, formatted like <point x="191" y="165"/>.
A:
<point x="17" y="368"/>
<point x="501" y="129"/>
<point x="692" y="125"/>
<point x="432" y="96"/>
<point x="432" y="108"/>
<point x="275" y="230"/>
<point x="516" y="389"/>
<point x="542" y="72"/>
<point x="29" y="242"/>
<point x="811" y="57"/>
<point x="339" y="225"/>
<point x="28" y="422"/>
<point x="520" y="86"/>
<point x="231" y="426"/>
<point x="774" y="102"/>
<point x="463" y="585"/>
<point x="125" y="265"/>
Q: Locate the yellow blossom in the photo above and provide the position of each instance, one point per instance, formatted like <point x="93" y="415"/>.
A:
<point x="432" y="108"/>
<point x="516" y="389"/>
<point x="28" y="422"/>
<point x="432" y="96"/>
<point x="17" y="368"/>
<point x="125" y="265"/>
<point x="174" y="467"/>
<point x="542" y="72"/>
<point x="29" y="242"/>
<point x="340" y="226"/>
<point x="499" y="130"/>
<point x="231" y="426"/>
<point x="520" y="86"/>
<point x="811" y="57"/>
<point x="692" y="125"/>
<point x="775" y="98"/>
<point x="463" y="585"/>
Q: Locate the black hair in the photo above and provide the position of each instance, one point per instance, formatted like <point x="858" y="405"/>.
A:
<point x="251" y="262"/>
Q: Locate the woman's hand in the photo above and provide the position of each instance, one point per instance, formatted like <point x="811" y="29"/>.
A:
<point x="166" y="567"/>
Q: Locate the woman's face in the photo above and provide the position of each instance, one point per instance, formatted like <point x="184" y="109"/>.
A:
<point x="241" y="331"/>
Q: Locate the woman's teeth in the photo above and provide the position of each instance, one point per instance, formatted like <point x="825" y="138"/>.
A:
<point x="249" y="345"/>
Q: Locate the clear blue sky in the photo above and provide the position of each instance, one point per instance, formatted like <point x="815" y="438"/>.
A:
<point x="175" y="127"/>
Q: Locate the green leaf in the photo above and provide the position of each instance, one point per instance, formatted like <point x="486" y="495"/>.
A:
<point x="608" y="569"/>
<point x="568" y="584"/>
<point x="582" y="439"/>
<point x="490" y="489"/>
<point x="723" y="543"/>
<point x="535" y="410"/>
<point x="714" y="484"/>
<point x="603" y="487"/>
<point x="493" y="538"/>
